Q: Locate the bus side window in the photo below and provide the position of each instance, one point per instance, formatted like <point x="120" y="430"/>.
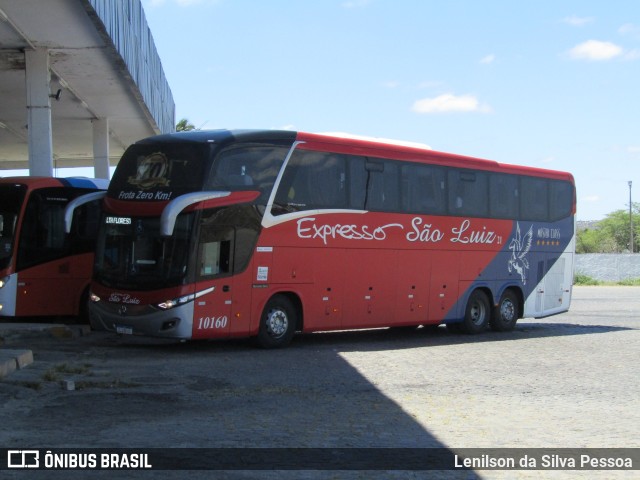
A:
<point x="561" y="199"/>
<point x="215" y="251"/>
<point x="384" y="186"/>
<point x="423" y="189"/>
<point x="468" y="193"/>
<point x="43" y="237"/>
<point x="314" y="180"/>
<point x="7" y="229"/>
<point x="356" y="182"/>
<point x="534" y="199"/>
<point x="504" y="196"/>
<point x="85" y="226"/>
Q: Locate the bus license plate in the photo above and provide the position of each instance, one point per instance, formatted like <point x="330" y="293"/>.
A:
<point x="124" y="330"/>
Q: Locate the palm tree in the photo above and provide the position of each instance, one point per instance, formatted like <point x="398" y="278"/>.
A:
<point x="184" y="126"/>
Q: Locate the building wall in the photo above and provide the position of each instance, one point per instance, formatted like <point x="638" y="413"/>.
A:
<point x="608" y="267"/>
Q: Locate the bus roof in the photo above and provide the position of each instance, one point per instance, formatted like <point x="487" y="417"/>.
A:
<point x="222" y="136"/>
<point x="356" y="145"/>
<point x="44" y="182"/>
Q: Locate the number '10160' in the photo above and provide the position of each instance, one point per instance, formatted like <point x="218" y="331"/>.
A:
<point x="205" y="323"/>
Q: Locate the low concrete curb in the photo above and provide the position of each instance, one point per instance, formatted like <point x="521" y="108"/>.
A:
<point x="15" y="359"/>
<point x="12" y="360"/>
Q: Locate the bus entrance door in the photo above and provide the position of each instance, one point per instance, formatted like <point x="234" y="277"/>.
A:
<point x="212" y="309"/>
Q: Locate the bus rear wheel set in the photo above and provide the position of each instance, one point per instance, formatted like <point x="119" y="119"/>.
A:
<point x="479" y="315"/>
<point x="279" y="318"/>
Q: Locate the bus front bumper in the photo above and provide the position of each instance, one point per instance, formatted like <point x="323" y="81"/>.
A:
<point x="176" y="322"/>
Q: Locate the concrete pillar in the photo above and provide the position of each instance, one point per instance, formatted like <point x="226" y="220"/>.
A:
<point x="101" y="147"/>
<point x="40" y="135"/>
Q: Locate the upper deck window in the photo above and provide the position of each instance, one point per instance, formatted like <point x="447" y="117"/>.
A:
<point x="245" y="167"/>
<point x="160" y="171"/>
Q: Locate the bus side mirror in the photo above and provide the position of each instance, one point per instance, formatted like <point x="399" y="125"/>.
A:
<point x="175" y="206"/>
<point x="75" y="203"/>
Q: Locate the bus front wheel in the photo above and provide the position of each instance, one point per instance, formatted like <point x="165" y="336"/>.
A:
<point x="505" y="315"/>
<point x="477" y="313"/>
<point x="277" y="323"/>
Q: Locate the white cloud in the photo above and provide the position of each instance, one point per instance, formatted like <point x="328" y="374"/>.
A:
<point x="488" y="59"/>
<point x="590" y="198"/>
<point x="449" y="102"/>
<point x="576" y="21"/>
<point x="548" y="160"/>
<point x="633" y="149"/>
<point x="629" y="29"/>
<point x="595" y="50"/>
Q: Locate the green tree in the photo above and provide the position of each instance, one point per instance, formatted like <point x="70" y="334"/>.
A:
<point x="611" y="234"/>
<point x="588" y="241"/>
<point x="616" y="226"/>
<point x="184" y="126"/>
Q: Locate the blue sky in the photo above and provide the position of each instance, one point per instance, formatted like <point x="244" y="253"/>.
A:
<point x="551" y="84"/>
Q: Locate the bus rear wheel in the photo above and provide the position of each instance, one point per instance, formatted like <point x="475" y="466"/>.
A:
<point x="477" y="313"/>
<point x="277" y="323"/>
<point x="505" y="315"/>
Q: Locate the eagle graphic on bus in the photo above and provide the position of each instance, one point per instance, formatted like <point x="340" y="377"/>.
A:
<point x="519" y="250"/>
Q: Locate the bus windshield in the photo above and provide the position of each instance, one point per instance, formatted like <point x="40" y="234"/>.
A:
<point x="11" y="199"/>
<point x="132" y="254"/>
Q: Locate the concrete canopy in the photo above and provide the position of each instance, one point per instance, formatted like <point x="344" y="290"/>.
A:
<point x="90" y="83"/>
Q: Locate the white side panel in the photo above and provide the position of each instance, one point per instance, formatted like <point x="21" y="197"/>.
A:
<point x="8" y="296"/>
<point x="553" y="293"/>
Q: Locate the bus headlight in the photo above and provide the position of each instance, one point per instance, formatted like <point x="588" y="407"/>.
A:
<point x="3" y="281"/>
<point x="167" y="304"/>
<point x="93" y="297"/>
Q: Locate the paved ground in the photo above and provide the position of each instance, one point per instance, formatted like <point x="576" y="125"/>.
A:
<point x="570" y="381"/>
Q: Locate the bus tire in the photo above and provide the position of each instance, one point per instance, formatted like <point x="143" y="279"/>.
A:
<point x="83" y="309"/>
<point x="506" y="312"/>
<point x="277" y="323"/>
<point x="477" y="313"/>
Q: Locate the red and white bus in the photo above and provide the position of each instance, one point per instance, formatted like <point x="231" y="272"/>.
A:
<point x="213" y="234"/>
<point x="43" y="270"/>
